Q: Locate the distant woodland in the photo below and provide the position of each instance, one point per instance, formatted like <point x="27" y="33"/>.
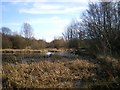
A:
<point x="17" y="41"/>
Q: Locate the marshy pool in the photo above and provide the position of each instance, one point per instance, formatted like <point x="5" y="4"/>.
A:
<point x="35" y="57"/>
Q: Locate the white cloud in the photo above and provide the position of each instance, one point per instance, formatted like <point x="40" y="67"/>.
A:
<point x="46" y="6"/>
<point x="52" y="27"/>
<point x="17" y="1"/>
<point x="49" y="35"/>
<point x="39" y="8"/>
<point x="72" y="1"/>
<point x="52" y="21"/>
<point x="45" y="0"/>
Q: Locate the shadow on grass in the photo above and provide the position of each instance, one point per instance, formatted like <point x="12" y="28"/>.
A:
<point x="107" y="75"/>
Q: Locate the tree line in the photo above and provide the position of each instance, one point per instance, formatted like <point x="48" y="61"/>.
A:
<point x="98" y="31"/>
<point x="26" y="40"/>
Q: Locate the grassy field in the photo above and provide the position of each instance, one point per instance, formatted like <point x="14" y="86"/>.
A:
<point x="63" y="72"/>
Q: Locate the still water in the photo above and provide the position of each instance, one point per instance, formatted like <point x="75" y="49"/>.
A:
<point x="35" y="57"/>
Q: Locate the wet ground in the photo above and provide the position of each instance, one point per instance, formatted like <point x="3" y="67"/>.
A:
<point x="34" y="57"/>
<point x="106" y="74"/>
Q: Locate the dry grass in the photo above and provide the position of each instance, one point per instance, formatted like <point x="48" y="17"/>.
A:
<point x="61" y="72"/>
<point x="19" y="51"/>
<point x="46" y="74"/>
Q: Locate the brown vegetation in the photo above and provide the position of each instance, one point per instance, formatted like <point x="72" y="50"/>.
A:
<point x="46" y="74"/>
<point x="62" y="73"/>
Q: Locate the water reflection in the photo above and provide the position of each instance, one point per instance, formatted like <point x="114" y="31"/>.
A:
<point x="35" y="57"/>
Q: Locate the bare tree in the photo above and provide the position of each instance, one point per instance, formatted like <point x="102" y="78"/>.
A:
<point x="27" y="30"/>
<point x="71" y="36"/>
<point x="101" y="24"/>
<point x="28" y="33"/>
<point x="100" y="27"/>
<point x="6" y="31"/>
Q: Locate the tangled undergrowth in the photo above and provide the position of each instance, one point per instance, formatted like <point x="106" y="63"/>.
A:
<point x="63" y="73"/>
<point x="46" y="74"/>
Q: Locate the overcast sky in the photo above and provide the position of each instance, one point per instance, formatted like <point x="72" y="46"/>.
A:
<point x="49" y="18"/>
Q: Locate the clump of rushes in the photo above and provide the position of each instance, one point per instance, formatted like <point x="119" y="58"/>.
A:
<point x="46" y="74"/>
